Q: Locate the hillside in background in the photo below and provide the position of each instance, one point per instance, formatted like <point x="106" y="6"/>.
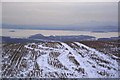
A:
<point x="40" y="37"/>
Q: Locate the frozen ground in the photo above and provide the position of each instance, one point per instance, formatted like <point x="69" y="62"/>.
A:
<point x="57" y="60"/>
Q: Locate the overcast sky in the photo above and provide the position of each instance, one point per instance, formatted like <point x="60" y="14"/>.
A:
<point x="60" y="0"/>
<point x="38" y="13"/>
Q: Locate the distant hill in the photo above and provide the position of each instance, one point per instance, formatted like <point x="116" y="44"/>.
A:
<point x="62" y="38"/>
<point x="37" y="36"/>
<point x="15" y="40"/>
<point x="90" y="26"/>
<point x="109" y="39"/>
<point x="40" y="37"/>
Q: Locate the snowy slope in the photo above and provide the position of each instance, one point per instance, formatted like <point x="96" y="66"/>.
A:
<point x="73" y="60"/>
<point x="57" y="60"/>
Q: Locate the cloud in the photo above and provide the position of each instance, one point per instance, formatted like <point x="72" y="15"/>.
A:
<point x="58" y="13"/>
<point x="59" y="0"/>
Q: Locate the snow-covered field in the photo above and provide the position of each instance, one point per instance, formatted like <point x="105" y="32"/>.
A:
<point x="57" y="60"/>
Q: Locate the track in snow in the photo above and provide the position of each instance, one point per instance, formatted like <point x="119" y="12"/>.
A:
<point x="58" y="60"/>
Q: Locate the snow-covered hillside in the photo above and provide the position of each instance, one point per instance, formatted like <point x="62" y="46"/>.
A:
<point x="58" y="60"/>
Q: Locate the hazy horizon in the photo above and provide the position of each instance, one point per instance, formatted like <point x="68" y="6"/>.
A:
<point x="25" y="33"/>
<point x="61" y="16"/>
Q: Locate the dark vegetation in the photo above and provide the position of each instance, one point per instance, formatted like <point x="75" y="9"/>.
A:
<point x="14" y="54"/>
<point x="107" y="47"/>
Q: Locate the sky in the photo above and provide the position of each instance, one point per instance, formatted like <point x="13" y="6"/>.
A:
<point x="58" y="14"/>
<point x="59" y="0"/>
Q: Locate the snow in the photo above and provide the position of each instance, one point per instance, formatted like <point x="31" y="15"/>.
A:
<point x="90" y="73"/>
<point x="113" y="64"/>
<point x="88" y="67"/>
